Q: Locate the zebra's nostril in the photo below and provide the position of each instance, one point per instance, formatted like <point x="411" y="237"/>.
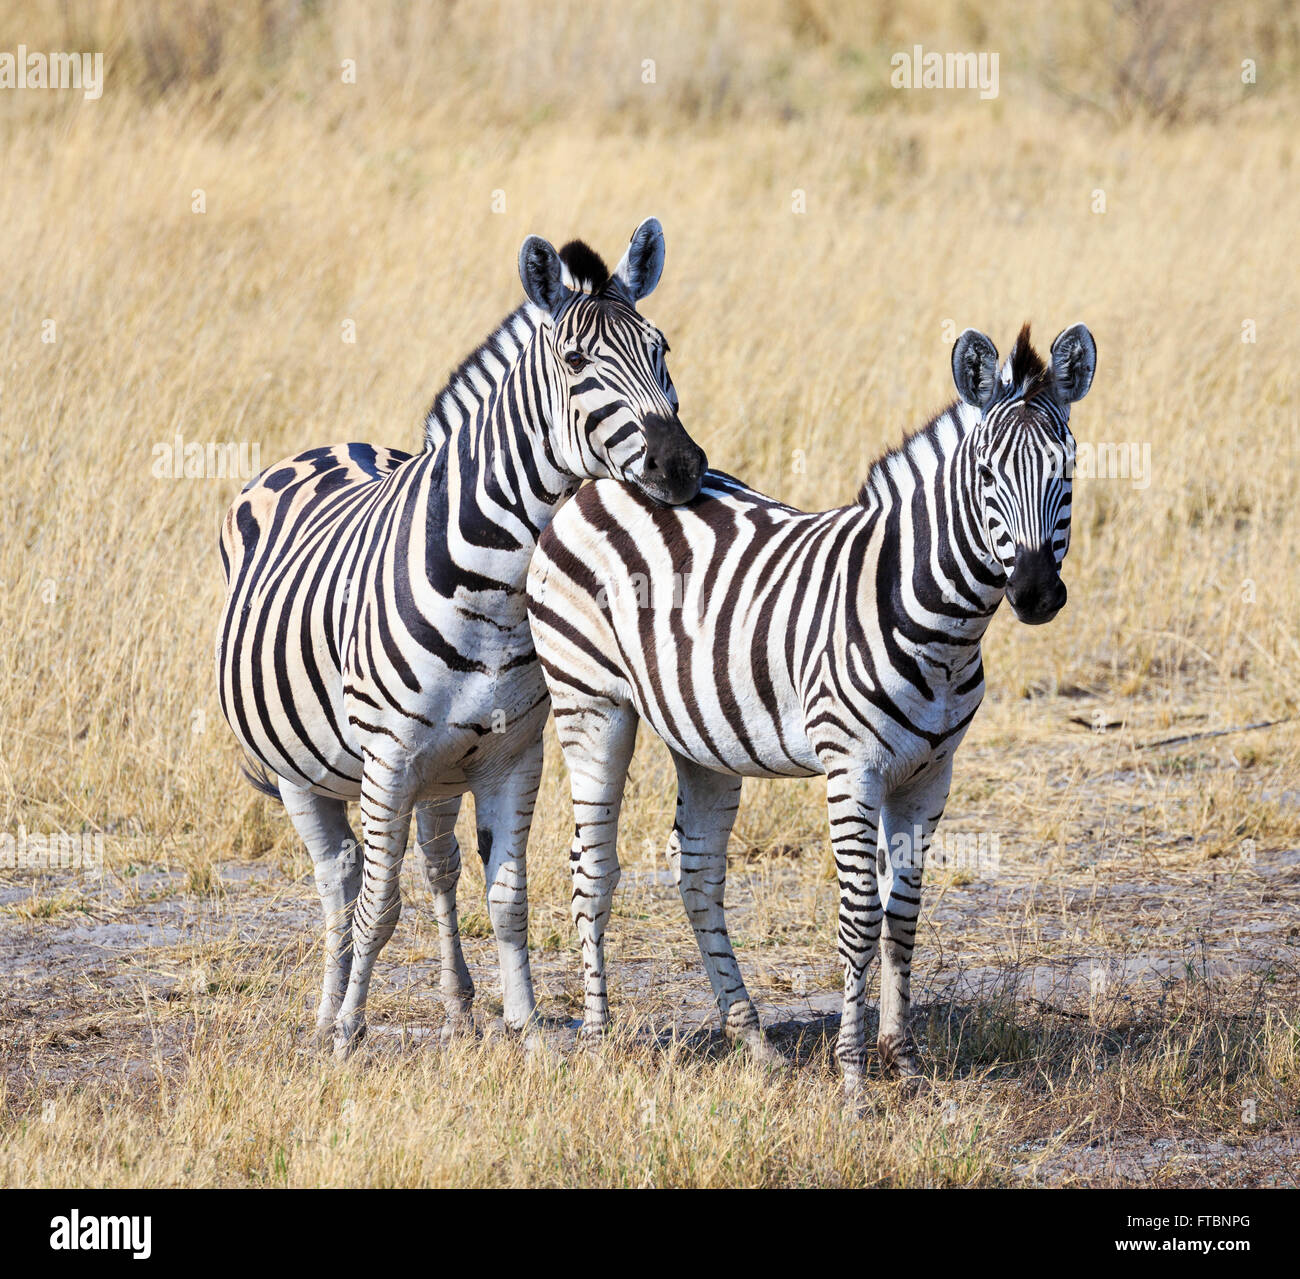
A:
<point x="651" y="463"/>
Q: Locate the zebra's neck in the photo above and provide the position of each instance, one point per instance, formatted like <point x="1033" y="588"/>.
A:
<point x="927" y="493"/>
<point x="488" y="444"/>
<point x="480" y="377"/>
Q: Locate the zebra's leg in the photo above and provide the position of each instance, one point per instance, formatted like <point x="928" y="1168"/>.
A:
<point x="697" y="854"/>
<point x="336" y="857"/>
<point x="598" y="741"/>
<point x="386" y="817"/>
<point x="853" y="802"/>
<point x="435" y="824"/>
<point x="907" y="824"/>
<point x="504" y="812"/>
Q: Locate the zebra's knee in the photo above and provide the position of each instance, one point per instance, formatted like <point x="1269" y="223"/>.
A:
<point x="509" y="916"/>
<point x="329" y="878"/>
<point x="700" y="908"/>
<point x="379" y="929"/>
<point x="442" y="870"/>
<point x="351" y="863"/>
<point x="592" y="897"/>
<point x="897" y="938"/>
<point x="606" y="881"/>
<point x="377" y="910"/>
<point x="700" y="880"/>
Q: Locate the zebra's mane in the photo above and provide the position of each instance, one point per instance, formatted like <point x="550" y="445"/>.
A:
<point x="486" y="368"/>
<point x="584" y="269"/>
<point x="1025" y="371"/>
<point x="479" y="374"/>
<point x="1023" y="375"/>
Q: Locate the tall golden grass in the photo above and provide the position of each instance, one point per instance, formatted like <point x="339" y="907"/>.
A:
<point x="827" y="236"/>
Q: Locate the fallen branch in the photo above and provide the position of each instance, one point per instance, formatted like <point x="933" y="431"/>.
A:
<point x="1218" y="732"/>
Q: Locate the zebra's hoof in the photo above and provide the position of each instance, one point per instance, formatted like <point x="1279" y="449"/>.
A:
<point x="902" y="1065"/>
<point x="743" y="1031"/>
<point x="457" y="1032"/>
<point x="540" y="1047"/>
<point x="853" y="1103"/>
<point x="347" y="1038"/>
<point x="897" y="1057"/>
<point x="594" y="1041"/>
<point x="459" y="1025"/>
<point x="763" y="1052"/>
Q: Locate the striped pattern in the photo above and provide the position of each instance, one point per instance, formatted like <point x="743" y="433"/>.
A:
<point x="761" y="641"/>
<point x="375" y="645"/>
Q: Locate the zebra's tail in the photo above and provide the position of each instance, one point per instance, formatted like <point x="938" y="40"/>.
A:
<point x="256" y="775"/>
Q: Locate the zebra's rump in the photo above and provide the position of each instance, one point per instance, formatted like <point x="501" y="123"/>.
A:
<point x="309" y="480"/>
<point x="288" y="544"/>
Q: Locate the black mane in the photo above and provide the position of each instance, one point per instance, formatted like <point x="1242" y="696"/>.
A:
<point x="1027" y="367"/>
<point x="588" y="273"/>
<point x="931" y="429"/>
<point x="586" y="266"/>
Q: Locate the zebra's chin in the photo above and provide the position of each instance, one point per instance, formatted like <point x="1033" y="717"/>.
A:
<point x="1035" y="592"/>
<point x="1035" y="617"/>
<point x="674" y="487"/>
<point x="1040" y="610"/>
<point x="667" y="495"/>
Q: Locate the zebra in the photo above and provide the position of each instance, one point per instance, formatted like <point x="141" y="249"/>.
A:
<point x="374" y="643"/>
<point x="757" y="640"/>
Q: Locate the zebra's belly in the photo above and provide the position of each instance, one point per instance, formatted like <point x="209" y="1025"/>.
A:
<point x="730" y="727"/>
<point x="282" y="693"/>
<point x="455" y="732"/>
<point x="461" y="729"/>
<point x="754" y="726"/>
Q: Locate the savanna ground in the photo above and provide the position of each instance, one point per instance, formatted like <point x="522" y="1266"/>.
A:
<point x="1109" y="999"/>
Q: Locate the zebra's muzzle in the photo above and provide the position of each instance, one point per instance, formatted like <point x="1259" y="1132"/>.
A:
<point x="673" y="467"/>
<point x="1035" y="590"/>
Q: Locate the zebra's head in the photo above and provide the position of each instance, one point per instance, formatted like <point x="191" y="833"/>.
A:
<point x="615" y="408"/>
<point x="1024" y="457"/>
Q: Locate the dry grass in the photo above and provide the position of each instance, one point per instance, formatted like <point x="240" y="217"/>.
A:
<point x="803" y="343"/>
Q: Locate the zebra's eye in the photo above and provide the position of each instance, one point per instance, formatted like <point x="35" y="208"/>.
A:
<point x="576" y="361"/>
<point x="986" y="473"/>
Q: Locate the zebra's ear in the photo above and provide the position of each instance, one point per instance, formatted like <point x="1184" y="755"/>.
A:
<point x="643" y="263"/>
<point x="541" y="271"/>
<point x="975" y="368"/>
<point x="1074" y="360"/>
